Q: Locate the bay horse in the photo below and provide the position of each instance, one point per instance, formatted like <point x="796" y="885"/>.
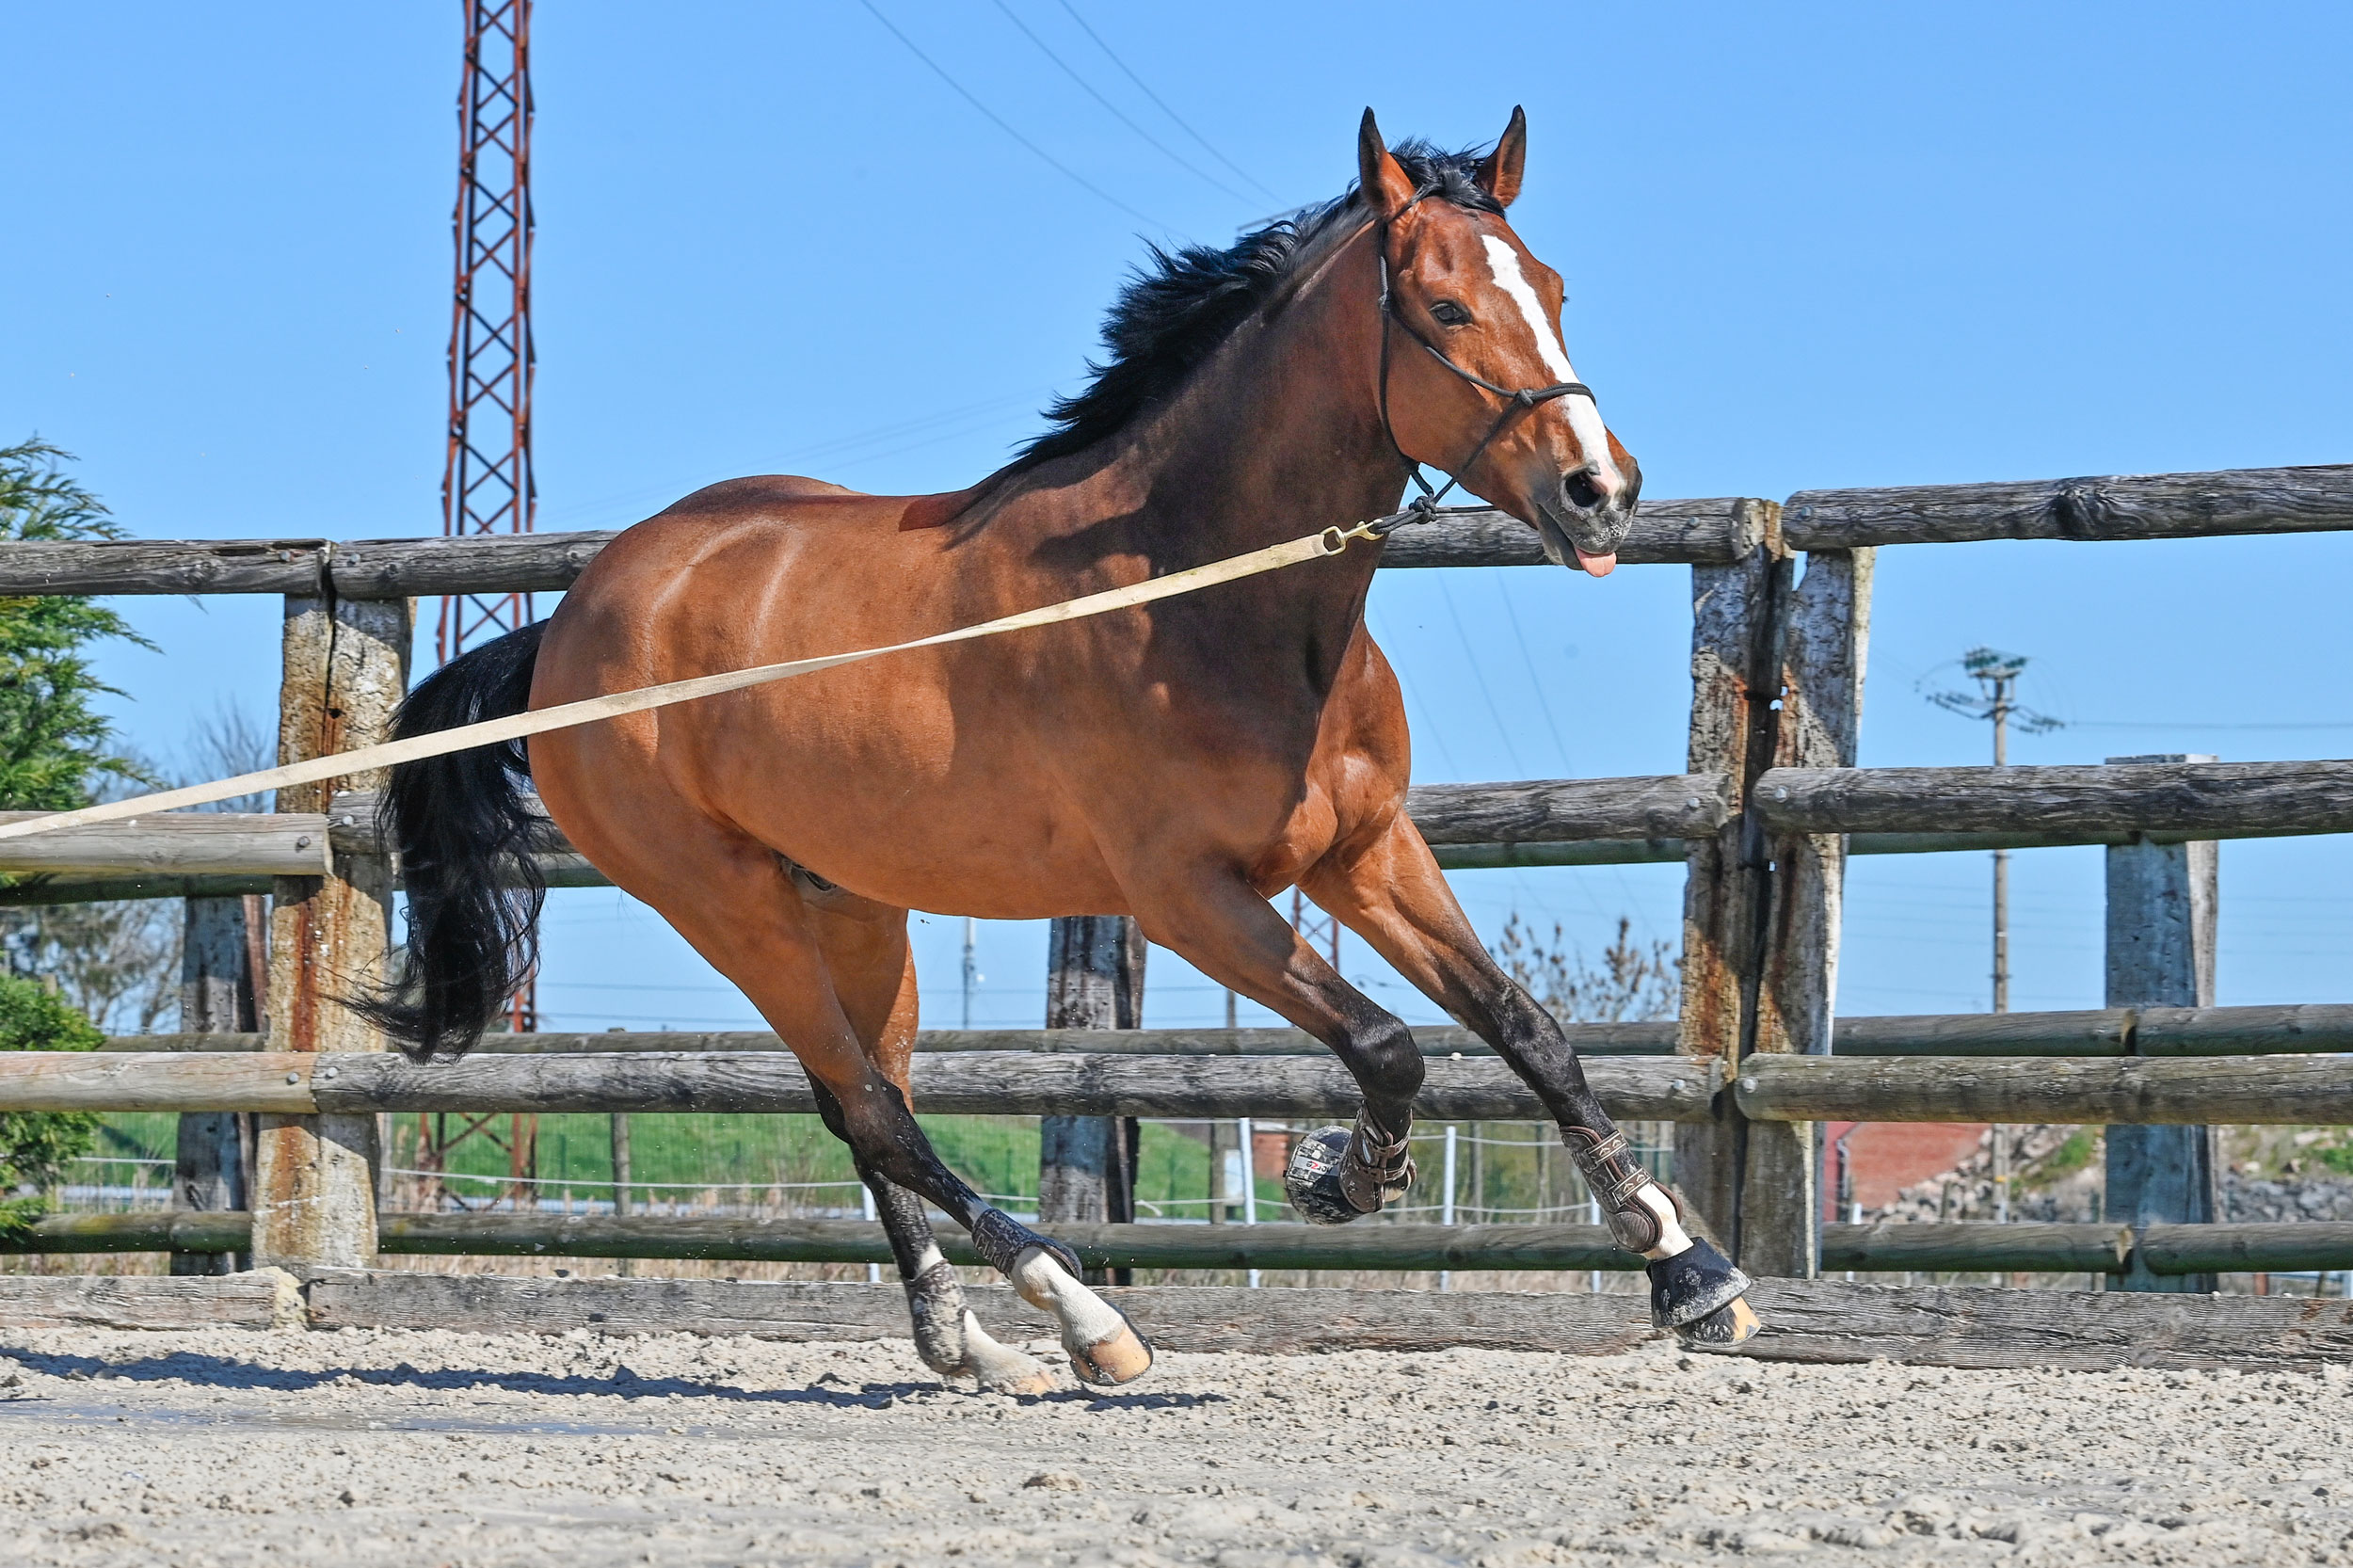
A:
<point x="1181" y="762"/>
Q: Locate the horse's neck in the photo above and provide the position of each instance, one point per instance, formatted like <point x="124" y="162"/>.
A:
<point x="1279" y="433"/>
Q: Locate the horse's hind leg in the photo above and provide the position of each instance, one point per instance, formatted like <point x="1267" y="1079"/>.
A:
<point x="1392" y="893"/>
<point x="873" y="974"/>
<point x="736" y="903"/>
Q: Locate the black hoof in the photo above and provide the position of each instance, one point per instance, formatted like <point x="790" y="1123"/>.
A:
<point x="1730" y="1324"/>
<point x="1691" y="1284"/>
<point x="1312" y="1179"/>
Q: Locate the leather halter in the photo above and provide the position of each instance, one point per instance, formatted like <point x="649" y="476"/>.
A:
<point x="1518" y="400"/>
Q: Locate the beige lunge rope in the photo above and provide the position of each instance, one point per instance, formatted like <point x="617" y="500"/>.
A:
<point x="1312" y="547"/>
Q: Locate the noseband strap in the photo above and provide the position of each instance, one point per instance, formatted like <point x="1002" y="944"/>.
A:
<point x="1518" y="400"/>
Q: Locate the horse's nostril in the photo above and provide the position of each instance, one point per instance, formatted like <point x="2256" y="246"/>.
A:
<point x="1582" y="492"/>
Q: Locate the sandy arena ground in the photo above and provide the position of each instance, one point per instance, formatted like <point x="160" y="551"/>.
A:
<point x="380" y="1446"/>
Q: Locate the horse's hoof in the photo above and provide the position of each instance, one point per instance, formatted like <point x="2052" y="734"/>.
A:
<point x="1692" y="1284"/>
<point x="1733" y="1323"/>
<point x="1312" y="1179"/>
<point x="1001" y="1368"/>
<point x="1122" y="1356"/>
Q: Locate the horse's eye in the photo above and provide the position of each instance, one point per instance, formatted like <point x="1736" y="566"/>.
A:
<point x="1449" y="314"/>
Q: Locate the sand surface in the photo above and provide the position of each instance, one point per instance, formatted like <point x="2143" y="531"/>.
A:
<point x="382" y="1446"/>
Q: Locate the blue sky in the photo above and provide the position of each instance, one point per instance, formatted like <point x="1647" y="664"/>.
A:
<point x="1813" y="247"/>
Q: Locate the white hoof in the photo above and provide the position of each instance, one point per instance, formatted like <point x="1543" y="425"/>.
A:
<point x="1104" y="1348"/>
<point x="1001" y="1368"/>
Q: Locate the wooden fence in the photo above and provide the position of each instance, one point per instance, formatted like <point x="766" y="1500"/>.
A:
<point x="1763" y="817"/>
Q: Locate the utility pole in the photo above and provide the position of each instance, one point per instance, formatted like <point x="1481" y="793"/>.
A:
<point x="971" y="964"/>
<point x="1996" y="700"/>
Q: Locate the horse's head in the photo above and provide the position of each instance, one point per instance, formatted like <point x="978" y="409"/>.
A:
<point x="1474" y="317"/>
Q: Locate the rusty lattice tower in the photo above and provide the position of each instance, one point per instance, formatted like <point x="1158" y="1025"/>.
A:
<point x="486" y="486"/>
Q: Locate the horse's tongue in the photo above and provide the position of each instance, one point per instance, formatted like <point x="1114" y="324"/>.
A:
<point x="1597" y="565"/>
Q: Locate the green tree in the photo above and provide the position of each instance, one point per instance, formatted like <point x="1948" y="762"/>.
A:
<point x="37" y="1145"/>
<point x="56" y="749"/>
<point x="56" y="752"/>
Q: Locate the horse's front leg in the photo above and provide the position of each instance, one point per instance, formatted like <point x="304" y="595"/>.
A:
<point x="1220" y="925"/>
<point x="1391" y="893"/>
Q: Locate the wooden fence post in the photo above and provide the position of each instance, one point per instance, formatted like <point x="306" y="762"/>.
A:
<point x="346" y="665"/>
<point x="1094" y="980"/>
<point x="1735" y="642"/>
<point x="2163" y="900"/>
<point x="215" y="998"/>
<point x="1824" y="645"/>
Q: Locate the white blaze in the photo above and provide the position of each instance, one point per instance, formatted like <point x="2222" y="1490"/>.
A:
<point x="1584" y="418"/>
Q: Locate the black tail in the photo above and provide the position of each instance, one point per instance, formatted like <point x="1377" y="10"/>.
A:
<point x="463" y="825"/>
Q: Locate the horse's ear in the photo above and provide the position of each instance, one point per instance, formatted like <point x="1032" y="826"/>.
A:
<point x="1383" y="179"/>
<point x="1499" y="176"/>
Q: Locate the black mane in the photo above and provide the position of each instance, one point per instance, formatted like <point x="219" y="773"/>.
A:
<point x="1174" y="312"/>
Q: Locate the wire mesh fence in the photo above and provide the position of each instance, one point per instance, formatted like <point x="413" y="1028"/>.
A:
<point x="1188" y="1172"/>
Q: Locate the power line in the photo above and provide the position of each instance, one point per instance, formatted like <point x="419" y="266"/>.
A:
<point x="1544" y="700"/>
<point x="2203" y="724"/>
<point x="1115" y="111"/>
<point x="1156" y="98"/>
<point x="998" y="121"/>
<point x="1479" y="675"/>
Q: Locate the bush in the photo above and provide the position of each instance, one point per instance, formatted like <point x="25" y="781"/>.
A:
<point x="37" y="1145"/>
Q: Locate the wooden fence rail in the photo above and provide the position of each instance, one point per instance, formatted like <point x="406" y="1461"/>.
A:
<point x="1536" y="821"/>
<point x="1709" y="531"/>
<point x="1924" y="1248"/>
<point x="2124" y="1090"/>
<point x="2299" y="1028"/>
<point x="2121" y="506"/>
<point x="2119" y="1091"/>
<point x="952" y="1083"/>
<point x="2202" y="800"/>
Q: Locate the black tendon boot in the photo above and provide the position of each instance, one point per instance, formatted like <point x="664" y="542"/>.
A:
<point x="1338" y="1173"/>
<point x="1693" y="1288"/>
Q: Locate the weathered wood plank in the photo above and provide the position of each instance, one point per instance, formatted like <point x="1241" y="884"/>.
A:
<point x="2243" y="1030"/>
<point x="162" y="566"/>
<point x="170" y="843"/>
<point x="1817" y="1320"/>
<point x="1664" y="531"/>
<point x="2127" y="1089"/>
<point x="146" y="1301"/>
<point x="44" y="891"/>
<point x="977" y="1083"/>
<point x="2233" y="1249"/>
<point x="173" y="1230"/>
<point x="1826" y="1320"/>
<point x="1969" y="1247"/>
<point x="1825" y="644"/>
<point x="108" y="1081"/>
<point x="1736" y="672"/>
<point x="2160" y="953"/>
<point x="2207" y="799"/>
<point x="1672" y="806"/>
<point x="946" y="1083"/>
<point x="2301" y="1029"/>
<point x="1715" y="532"/>
<point x="345" y="669"/>
<point x="481" y="562"/>
<point x="2102" y="1032"/>
<point x="2115" y="506"/>
<point x="1175" y="1317"/>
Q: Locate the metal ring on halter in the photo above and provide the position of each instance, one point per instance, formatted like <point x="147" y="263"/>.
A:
<point x="1518" y="400"/>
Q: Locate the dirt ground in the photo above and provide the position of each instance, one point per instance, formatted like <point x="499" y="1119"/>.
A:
<point x="365" y="1447"/>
